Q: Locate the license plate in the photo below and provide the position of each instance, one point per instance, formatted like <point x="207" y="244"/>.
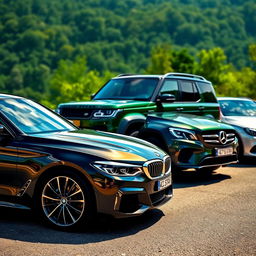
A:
<point x="76" y="122"/>
<point x="161" y="184"/>
<point x="224" y="151"/>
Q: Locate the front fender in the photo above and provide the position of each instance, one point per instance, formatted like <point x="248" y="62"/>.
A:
<point x="130" y="119"/>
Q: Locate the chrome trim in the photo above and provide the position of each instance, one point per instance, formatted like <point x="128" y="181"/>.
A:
<point x="24" y="188"/>
<point x="220" y="138"/>
<point x="146" y="171"/>
<point x="211" y="165"/>
<point x="175" y="74"/>
<point x="170" y="167"/>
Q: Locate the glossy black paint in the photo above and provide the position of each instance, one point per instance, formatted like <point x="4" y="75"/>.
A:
<point x="26" y="158"/>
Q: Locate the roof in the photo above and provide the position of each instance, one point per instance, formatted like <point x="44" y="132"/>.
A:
<point x="5" y="96"/>
<point x="167" y="75"/>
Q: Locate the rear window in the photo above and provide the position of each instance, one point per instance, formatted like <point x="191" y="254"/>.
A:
<point x="207" y="92"/>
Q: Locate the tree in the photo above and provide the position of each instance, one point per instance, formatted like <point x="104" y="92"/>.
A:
<point x="212" y="64"/>
<point x="72" y="81"/>
<point x="160" y="60"/>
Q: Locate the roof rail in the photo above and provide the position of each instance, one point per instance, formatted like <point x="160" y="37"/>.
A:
<point x="126" y="75"/>
<point x="185" y="74"/>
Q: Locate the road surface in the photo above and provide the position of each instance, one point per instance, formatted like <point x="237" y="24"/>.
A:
<point x="207" y="216"/>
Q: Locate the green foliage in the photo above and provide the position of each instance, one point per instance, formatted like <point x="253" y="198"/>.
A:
<point x="72" y="81"/>
<point x="44" y="43"/>
<point x="160" y="61"/>
<point x="212" y="63"/>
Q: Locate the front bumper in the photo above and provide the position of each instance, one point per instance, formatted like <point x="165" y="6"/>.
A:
<point x="248" y="142"/>
<point x="126" y="197"/>
<point x="194" y="154"/>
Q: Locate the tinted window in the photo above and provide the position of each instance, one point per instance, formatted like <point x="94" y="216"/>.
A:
<point x="189" y="91"/>
<point x="207" y="92"/>
<point x="31" y="117"/>
<point x="170" y="87"/>
<point x="128" y="88"/>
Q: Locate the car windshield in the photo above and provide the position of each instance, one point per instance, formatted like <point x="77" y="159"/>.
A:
<point x="128" y="89"/>
<point x="30" y="117"/>
<point x="238" y="107"/>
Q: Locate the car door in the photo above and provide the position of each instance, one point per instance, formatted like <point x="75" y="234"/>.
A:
<point x="186" y="94"/>
<point x="8" y="164"/>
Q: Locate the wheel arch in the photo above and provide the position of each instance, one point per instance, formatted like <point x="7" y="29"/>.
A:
<point x="57" y="168"/>
<point x="131" y="120"/>
<point x="147" y="133"/>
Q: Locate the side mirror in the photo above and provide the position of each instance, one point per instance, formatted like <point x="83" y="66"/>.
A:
<point x="165" y="98"/>
<point x="92" y="96"/>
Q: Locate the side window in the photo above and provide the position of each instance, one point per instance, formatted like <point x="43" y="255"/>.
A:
<point x="170" y="87"/>
<point x="189" y="91"/>
<point x="207" y="92"/>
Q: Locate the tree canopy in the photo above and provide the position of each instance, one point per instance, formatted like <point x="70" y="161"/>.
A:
<point x="49" y="45"/>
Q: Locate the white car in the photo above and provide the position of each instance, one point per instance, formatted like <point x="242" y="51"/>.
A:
<point x="241" y="114"/>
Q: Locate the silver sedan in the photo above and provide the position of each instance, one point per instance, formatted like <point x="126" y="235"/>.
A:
<point x="241" y="114"/>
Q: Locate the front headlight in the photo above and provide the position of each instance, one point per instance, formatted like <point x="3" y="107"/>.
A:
<point x="118" y="169"/>
<point x="251" y="131"/>
<point x="182" y="134"/>
<point x="105" y="113"/>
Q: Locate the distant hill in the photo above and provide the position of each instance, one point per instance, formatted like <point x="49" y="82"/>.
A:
<point x="115" y="35"/>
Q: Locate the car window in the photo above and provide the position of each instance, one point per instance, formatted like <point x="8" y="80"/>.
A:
<point x="170" y="87"/>
<point x="128" y="88"/>
<point x="207" y="92"/>
<point x="189" y="91"/>
<point x="238" y="107"/>
<point x="31" y="117"/>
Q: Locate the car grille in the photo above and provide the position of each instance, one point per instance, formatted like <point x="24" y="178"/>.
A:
<point x="167" y="164"/>
<point x="219" y="137"/>
<point x="73" y="113"/>
<point x="157" y="168"/>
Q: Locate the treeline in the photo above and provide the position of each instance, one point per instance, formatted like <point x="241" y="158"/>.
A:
<point x="43" y="43"/>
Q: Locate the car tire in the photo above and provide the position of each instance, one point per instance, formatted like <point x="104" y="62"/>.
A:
<point x="65" y="201"/>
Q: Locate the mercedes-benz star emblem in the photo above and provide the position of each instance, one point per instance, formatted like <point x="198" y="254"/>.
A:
<point x="222" y="137"/>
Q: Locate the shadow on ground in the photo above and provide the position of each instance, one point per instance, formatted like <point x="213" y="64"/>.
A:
<point x="184" y="179"/>
<point x="248" y="162"/>
<point x="22" y="226"/>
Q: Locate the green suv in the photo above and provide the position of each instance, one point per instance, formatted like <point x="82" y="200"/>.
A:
<point x="175" y="111"/>
<point x="123" y="103"/>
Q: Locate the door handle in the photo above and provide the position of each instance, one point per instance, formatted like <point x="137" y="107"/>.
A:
<point x="179" y="109"/>
<point x="201" y="108"/>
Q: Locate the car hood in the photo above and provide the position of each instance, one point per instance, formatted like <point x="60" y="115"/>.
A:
<point x="105" y="104"/>
<point x="100" y="144"/>
<point x="187" y="121"/>
<point x="241" y="121"/>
